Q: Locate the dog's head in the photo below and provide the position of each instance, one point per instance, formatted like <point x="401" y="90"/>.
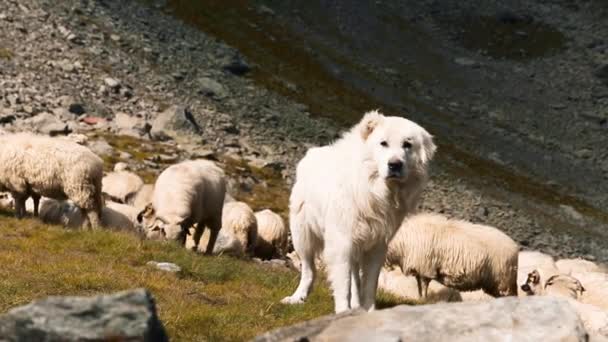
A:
<point x="160" y="228"/>
<point x="565" y="286"/>
<point x="397" y="146"/>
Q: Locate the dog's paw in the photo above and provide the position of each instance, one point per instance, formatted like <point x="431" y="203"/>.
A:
<point x="292" y="300"/>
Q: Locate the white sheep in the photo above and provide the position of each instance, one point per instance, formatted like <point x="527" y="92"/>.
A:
<point x="596" y="288"/>
<point x="559" y="285"/>
<point x="456" y="253"/>
<point x="66" y="213"/>
<point x="143" y="197"/>
<point x="121" y="186"/>
<point x="528" y="261"/>
<point x="238" y="234"/>
<point x="393" y="281"/>
<point x="34" y="166"/>
<point x="187" y="193"/>
<point x="568" y="266"/>
<point x="273" y="235"/>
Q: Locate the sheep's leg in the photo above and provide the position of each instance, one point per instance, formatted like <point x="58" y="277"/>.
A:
<point x="36" y="199"/>
<point x="198" y="233"/>
<point x="372" y="264"/>
<point x="19" y="205"/>
<point x="214" y="226"/>
<point x="423" y="286"/>
<point x="93" y="219"/>
<point x="355" y="287"/>
<point x="304" y="247"/>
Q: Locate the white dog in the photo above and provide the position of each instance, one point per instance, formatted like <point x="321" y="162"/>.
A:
<point x="350" y="198"/>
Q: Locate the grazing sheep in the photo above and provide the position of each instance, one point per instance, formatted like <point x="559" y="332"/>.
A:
<point x="187" y="193"/>
<point x="568" y="266"/>
<point x="34" y="166"/>
<point x="396" y="283"/>
<point x="113" y="215"/>
<point x="239" y="220"/>
<point x="272" y="235"/>
<point x="121" y="186"/>
<point x="238" y="234"/>
<point x="143" y="197"/>
<point x="456" y="253"/>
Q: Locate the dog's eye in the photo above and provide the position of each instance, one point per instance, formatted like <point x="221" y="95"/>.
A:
<point x="407" y="144"/>
<point x="383" y="143"/>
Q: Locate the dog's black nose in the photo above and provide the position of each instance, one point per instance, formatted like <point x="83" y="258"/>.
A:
<point x="395" y="165"/>
<point x="525" y="287"/>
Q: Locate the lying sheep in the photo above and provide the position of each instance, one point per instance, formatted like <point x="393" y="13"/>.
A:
<point x="143" y="197"/>
<point x="34" y="166"/>
<point x="594" y="318"/>
<point x="66" y="213"/>
<point x="596" y="288"/>
<point x="226" y="243"/>
<point x="187" y="193"/>
<point x="559" y="285"/>
<point x="568" y="266"/>
<point x="529" y="261"/>
<point x="121" y="186"/>
<point x="272" y="235"/>
<point x="393" y="281"/>
<point x="458" y="254"/>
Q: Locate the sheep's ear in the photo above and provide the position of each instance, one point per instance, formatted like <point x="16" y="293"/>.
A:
<point x="428" y="148"/>
<point x="370" y="121"/>
<point x="147" y="212"/>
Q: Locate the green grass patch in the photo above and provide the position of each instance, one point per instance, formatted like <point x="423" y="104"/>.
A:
<point x="6" y="54"/>
<point x="212" y="298"/>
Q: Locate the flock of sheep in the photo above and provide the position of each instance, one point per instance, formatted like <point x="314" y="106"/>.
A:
<point x="66" y="183"/>
<point x="431" y="258"/>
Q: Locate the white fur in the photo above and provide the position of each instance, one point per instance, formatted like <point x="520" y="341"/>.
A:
<point x="113" y="215"/>
<point x="143" y="197"/>
<point x="596" y="288"/>
<point x="393" y="281"/>
<point x="347" y="203"/>
<point x="528" y="261"/>
<point x="458" y="254"/>
<point x="273" y="235"/>
<point x="569" y="266"/>
<point x="188" y="193"/>
<point x="34" y="165"/>
<point x="120" y="186"/>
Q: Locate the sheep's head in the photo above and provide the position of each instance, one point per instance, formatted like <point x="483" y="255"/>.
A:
<point x="564" y="286"/>
<point x="161" y="228"/>
<point x="532" y="286"/>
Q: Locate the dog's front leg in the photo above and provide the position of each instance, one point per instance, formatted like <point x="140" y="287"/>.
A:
<point x="339" y="267"/>
<point x="355" y="286"/>
<point x="372" y="264"/>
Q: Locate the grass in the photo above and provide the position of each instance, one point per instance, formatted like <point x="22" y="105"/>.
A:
<point x="212" y="298"/>
<point x="6" y="54"/>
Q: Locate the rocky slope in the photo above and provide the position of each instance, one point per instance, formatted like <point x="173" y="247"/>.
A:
<point x="116" y="67"/>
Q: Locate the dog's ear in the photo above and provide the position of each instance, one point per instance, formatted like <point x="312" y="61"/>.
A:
<point x="147" y="212"/>
<point x="370" y="121"/>
<point x="428" y="148"/>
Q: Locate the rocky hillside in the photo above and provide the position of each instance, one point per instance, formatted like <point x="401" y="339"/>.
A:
<point x="123" y="68"/>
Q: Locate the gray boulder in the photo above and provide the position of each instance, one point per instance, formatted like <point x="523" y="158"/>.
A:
<point x="172" y="119"/>
<point x="505" y="319"/>
<point x="123" y="316"/>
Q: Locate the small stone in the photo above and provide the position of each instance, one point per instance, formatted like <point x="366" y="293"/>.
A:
<point x="77" y="108"/>
<point x="165" y="266"/>
<point x="92" y="120"/>
<point x="571" y="212"/>
<point x="584" y="153"/>
<point x="265" y="10"/>
<point x="212" y="88"/>
<point x="120" y="166"/>
<point x="115" y="37"/>
<point x="101" y="148"/>
<point x="112" y="83"/>
<point x="464" y="61"/>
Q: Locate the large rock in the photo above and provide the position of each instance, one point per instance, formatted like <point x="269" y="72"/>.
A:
<point x="505" y="319"/>
<point x="172" y="119"/>
<point x="48" y="124"/>
<point x="124" y="316"/>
